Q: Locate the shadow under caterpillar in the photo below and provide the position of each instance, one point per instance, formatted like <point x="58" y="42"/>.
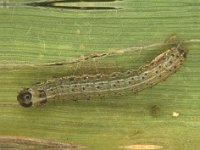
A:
<point x="88" y="86"/>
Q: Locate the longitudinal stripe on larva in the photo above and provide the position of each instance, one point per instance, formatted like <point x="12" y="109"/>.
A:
<point x="87" y="86"/>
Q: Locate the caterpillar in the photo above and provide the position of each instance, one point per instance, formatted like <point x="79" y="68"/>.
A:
<point x="88" y="86"/>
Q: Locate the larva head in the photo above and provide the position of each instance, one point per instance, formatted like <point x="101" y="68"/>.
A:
<point x="29" y="97"/>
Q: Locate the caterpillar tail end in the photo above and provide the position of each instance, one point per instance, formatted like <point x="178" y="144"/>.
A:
<point x="28" y="97"/>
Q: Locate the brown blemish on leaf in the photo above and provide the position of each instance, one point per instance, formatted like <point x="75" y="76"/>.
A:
<point x="29" y="143"/>
<point x="141" y="147"/>
<point x="155" y="110"/>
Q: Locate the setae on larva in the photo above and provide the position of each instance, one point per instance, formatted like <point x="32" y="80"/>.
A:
<point x="86" y="87"/>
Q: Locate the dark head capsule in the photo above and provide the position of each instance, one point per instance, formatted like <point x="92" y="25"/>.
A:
<point x="29" y="97"/>
<point x="25" y="98"/>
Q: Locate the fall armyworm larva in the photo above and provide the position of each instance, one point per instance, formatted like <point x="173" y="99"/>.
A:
<point x="87" y="86"/>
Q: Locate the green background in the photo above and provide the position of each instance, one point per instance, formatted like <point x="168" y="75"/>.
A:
<point x="30" y="36"/>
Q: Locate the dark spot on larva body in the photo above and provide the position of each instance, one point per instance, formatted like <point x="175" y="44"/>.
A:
<point x="42" y="96"/>
<point x="85" y="77"/>
<point x="175" y="67"/>
<point x="71" y="78"/>
<point x="98" y="76"/>
<point x="152" y="63"/>
<point x="141" y="69"/>
<point x="164" y="57"/>
<point x="114" y="75"/>
<point x="128" y="72"/>
<point x="86" y="58"/>
<point x="41" y="93"/>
